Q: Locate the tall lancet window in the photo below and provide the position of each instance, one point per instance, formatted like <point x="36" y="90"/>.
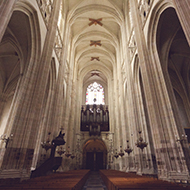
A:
<point x="95" y="94"/>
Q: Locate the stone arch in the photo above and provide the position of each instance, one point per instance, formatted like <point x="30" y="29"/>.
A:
<point x="18" y="49"/>
<point x="23" y="29"/>
<point x="94" y="154"/>
<point x="102" y="69"/>
<point x="161" y="47"/>
<point x="173" y="49"/>
<point x="77" y="11"/>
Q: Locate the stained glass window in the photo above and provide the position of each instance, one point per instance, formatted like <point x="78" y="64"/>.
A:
<point x="95" y="94"/>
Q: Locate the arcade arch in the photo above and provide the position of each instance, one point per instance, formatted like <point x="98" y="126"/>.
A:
<point x="15" y="53"/>
<point x="173" y="51"/>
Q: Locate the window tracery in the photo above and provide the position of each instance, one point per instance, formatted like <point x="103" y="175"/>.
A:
<point x="95" y="94"/>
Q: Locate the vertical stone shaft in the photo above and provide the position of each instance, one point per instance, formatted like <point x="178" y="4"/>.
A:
<point x="162" y="131"/>
<point x="182" y="9"/>
<point x="6" y="10"/>
<point x="45" y="63"/>
<point x="27" y="117"/>
<point x="147" y="77"/>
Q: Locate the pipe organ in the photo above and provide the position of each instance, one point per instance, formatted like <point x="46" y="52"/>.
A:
<point x="94" y="118"/>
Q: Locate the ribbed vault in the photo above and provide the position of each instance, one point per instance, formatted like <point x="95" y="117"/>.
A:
<point x="95" y="37"/>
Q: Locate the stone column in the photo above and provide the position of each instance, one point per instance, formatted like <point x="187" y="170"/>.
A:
<point x="120" y="111"/>
<point x="170" y="158"/>
<point x="59" y="99"/>
<point x="3" y="100"/>
<point x="25" y="121"/>
<point x="6" y="10"/>
<point x="40" y="155"/>
<point x="132" y="135"/>
<point x="182" y="9"/>
<point x="71" y="132"/>
<point x="116" y="124"/>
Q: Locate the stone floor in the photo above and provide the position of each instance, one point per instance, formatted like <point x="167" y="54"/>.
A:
<point x="94" y="182"/>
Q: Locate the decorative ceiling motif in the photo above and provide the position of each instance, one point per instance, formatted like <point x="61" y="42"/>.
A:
<point x="97" y="74"/>
<point x="95" y="43"/>
<point x="95" y="21"/>
<point x="95" y="58"/>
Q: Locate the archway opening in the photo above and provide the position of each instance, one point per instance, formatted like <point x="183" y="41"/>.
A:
<point x="174" y="51"/>
<point x="15" y="53"/>
<point x="94" y="155"/>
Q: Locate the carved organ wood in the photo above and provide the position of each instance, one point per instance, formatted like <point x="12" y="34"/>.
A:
<point x="94" y="118"/>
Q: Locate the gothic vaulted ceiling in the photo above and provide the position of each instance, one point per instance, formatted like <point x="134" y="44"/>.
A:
<point x="95" y="32"/>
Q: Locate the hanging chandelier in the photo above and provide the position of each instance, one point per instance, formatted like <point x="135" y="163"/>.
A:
<point x="128" y="150"/>
<point x="116" y="154"/>
<point x="140" y="143"/>
<point x="121" y="153"/>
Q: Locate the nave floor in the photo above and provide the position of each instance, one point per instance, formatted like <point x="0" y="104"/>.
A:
<point x="94" y="182"/>
<point x="91" y="180"/>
